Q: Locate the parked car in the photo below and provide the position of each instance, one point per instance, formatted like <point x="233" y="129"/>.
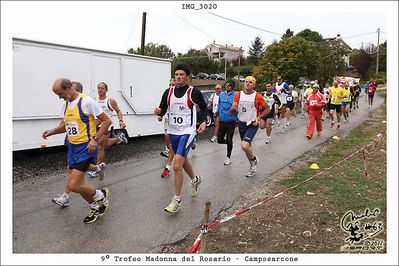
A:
<point x="216" y="77"/>
<point x="242" y="79"/>
<point x="202" y="75"/>
<point x="209" y="116"/>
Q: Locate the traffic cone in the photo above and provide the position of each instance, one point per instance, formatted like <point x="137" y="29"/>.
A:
<point x="336" y="137"/>
<point x="314" y="166"/>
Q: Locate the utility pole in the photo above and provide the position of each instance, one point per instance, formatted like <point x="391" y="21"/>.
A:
<point x="378" y="52"/>
<point x="143" y="33"/>
<point x="225" y="68"/>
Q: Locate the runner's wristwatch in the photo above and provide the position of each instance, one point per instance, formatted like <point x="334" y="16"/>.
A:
<point x="96" y="138"/>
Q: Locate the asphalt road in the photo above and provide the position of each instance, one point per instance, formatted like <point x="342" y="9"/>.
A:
<point x="136" y="221"/>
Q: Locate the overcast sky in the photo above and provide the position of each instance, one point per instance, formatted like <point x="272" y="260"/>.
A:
<point x="117" y="26"/>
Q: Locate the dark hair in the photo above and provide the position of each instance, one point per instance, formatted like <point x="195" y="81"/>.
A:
<point x="78" y="85"/>
<point x="65" y="83"/>
<point x="231" y="83"/>
<point x="271" y="83"/>
<point x="105" y="84"/>
<point x="183" y="67"/>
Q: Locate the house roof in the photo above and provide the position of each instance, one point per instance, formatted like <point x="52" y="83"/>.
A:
<point x="340" y="40"/>
<point x="226" y="47"/>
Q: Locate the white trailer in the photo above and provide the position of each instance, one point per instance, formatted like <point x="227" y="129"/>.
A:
<point x="135" y="82"/>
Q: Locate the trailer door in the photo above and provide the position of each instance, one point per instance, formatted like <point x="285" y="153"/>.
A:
<point x="144" y="81"/>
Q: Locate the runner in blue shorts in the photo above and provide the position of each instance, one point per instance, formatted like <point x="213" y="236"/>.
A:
<point x="79" y="124"/>
<point x="179" y="102"/>
<point x="248" y="105"/>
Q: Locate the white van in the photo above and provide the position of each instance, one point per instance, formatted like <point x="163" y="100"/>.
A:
<point x="135" y="82"/>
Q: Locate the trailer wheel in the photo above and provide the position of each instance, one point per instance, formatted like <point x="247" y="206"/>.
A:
<point x="116" y="133"/>
<point x="208" y="120"/>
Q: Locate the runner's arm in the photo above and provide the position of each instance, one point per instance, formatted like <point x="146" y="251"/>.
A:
<point x="234" y="106"/>
<point x="265" y="107"/>
<point x="198" y="98"/>
<point x="118" y="111"/>
<point x="163" y="105"/>
<point x="278" y="101"/>
<point x="59" y="129"/>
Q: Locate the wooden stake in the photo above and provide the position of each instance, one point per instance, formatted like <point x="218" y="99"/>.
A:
<point x="205" y="226"/>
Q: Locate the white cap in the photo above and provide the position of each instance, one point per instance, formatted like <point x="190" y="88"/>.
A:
<point x="312" y="82"/>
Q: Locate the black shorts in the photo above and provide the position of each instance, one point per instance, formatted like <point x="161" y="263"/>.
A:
<point x="291" y="105"/>
<point x="336" y="107"/>
<point x="371" y="96"/>
<point x="270" y="115"/>
<point x="82" y="166"/>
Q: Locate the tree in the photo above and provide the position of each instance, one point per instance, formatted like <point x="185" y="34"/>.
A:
<point x="256" y="50"/>
<point x="331" y="61"/>
<point x="288" y="33"/>
<point x="155" y="50"/>
<point x="310" y="35"/>
<point x="198" y="61"/>
<point x="292" y="58"/>
<point x="361" y="61"/>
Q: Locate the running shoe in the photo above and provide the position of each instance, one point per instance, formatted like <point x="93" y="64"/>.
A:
<point x="195" y="185"/>
<point x="345" y="120"/>
<point x="103" y="202"/>
<point x="92" y="216"/>
<point x="250" y="173"/>
<point x="165" y="153"/>
<point x="338" y="126"/>
<point x="228" y="161"/>
<point x="308" y="137"/>
<point x="268" y="140"/>
<point x="122" y="139"/>
<point x="101" y="172"/>
<point x="213" y="139"/>
<point x="174" y="206"/>
<point x="254" y="164"/>
<point x="165" y="173"/>
<point x="62" y="200"/>
<point x="332" y="124"/>
<point x="194" y="146"/>
<point x="92" y="174"/>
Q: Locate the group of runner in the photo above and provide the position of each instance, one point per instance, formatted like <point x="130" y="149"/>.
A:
<point x="88" y="126"/>
<point x="89" y="131"/>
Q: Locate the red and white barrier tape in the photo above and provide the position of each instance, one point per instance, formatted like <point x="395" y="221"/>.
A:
<point x="197" y="242"/>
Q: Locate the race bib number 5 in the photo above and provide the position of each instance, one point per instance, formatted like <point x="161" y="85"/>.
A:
<point x="72" y="129"/>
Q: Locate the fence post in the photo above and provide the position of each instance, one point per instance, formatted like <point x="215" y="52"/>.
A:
<point x="205" y="226"/>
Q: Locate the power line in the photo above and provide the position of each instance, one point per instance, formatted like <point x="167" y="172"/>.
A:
<point x="130" y="32"/>
<point x="244" y="24"/>
<point x="203" y="32"/>
<point x="359" y="35"/>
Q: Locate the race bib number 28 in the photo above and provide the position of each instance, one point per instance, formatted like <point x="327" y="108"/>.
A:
<point x="72" y="129"/>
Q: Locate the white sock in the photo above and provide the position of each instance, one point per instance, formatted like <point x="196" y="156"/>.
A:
<point x="167" y="167"/>
<point x="94" y="205"/>
<point x="98" y="195"/>
<point x="98" y="168"/>
<point x="178" y="198"/>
